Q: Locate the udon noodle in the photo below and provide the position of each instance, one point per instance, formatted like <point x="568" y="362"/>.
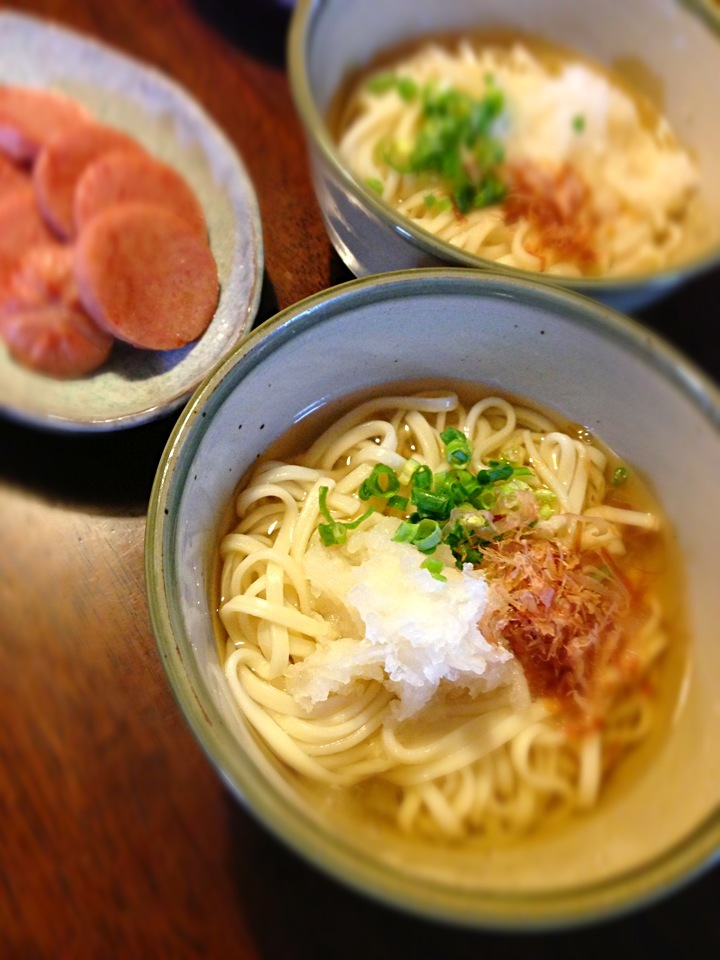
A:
<point x="525" y="159"/>
<point x="445" y="605"/>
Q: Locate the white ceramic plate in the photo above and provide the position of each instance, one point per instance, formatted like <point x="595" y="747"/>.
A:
<point x="138" y="385"/>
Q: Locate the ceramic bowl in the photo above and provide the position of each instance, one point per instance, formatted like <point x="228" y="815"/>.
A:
<point x="670" y="49"/>
<point x="567" y="353"/>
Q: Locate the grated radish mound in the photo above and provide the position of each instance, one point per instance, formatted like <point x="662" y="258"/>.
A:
<point x="397" y="624"/>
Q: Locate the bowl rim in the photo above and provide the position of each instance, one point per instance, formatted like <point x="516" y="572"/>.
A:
<point x="302" y="23"/>
<point x="557" y="909"/>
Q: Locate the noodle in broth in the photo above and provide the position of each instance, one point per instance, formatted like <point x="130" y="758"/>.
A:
<point x="521" y="154"/>
<point x="461" y="703"/>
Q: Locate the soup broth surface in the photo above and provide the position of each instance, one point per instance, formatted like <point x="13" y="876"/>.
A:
<point x="523" y="152"/>
<point x="337" y="746"/>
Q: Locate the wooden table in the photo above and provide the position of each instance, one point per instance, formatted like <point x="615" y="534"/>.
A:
<point x="116" y="836"/>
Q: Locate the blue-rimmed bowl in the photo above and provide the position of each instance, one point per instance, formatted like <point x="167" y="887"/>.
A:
<point x="662" y="825"/>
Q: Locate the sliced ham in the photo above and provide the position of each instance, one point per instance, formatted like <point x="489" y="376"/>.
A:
<point x="12" y="177"/>
<point x="59" y="341"/>
<point x="129" y="176"/>
<point x="30" y="116"/>
<point x="146" y="276"/>
<point x="44" y="273"/>
<point x="42" y="322"/>
<point x="61" y="163"/>
<point x="21" y="227"/>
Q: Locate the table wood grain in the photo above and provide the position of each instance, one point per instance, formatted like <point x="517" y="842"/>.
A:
<point x="117" y="839"/>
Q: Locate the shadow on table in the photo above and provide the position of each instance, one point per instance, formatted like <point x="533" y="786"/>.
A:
<point x="257" y="26"/>
<point x="108" y="472"/>
<point x="297" y="912"/>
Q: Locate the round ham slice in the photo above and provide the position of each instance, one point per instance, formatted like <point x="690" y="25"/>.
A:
<point x="43" y="274"/>
<point x="30" y="116"/>
<point x="21" y="227"/>
<point x="42" y="321"/>
<point x="146" y="276"/>
<point x="61" y="163"/>
<point x="12" y="177"/>
<point x="130" y="176"/>
<point x="56" y="340"/>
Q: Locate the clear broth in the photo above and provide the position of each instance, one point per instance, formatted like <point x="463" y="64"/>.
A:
<point x="658" y="554"/>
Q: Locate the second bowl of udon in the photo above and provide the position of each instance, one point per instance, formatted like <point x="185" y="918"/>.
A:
<point x="431" y="564"/>
<point x="576" y="143"/>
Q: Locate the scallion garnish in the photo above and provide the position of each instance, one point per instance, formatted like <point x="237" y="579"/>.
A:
<point x="457" y="447"/>
<point x="497" y="471"/>
<point x="425" y="534"/>
<point x="620" y="475"/>
<point x="408" y="469"/>
<point x="422" y="478"/>
<point x="437" y="204"/>
<point x="453" y="506"/>
<point x="382" y="482"/>
<point x="335" y="531"/>
<point x="384" y="82"/>
<point x="435" y="567"/>
<point x="454" y="140"/>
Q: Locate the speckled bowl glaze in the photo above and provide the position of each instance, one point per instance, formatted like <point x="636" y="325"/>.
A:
<point x="564" y="352"/>
<point x="135" y="386"/>
<point x="671" y="47"/>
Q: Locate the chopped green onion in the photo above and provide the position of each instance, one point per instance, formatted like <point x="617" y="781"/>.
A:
<point x="457" y="447"/>
<point x="496" y="472"/>
<point x="488" y="499"/>
<point x="422" y="478"/>
<point x="335" y="531"/>
<point x="398" y="503"/>
<point x="332" y="533"/>
<point x="578" y="123"/>
<point x="322" y="503"/>
<point x="435" y="567"/>
<point x="620" y="475"/>
<point x="375" y="185"/>
<point x="407" y="88"/>
<point x="405" y="533"/>
<point x="432" y="504"/>
<point x="438" y="204"/>
<point x="455" y="141"/>
<point x="352" y="524"/>
<point x="427" y="535"/>
<point x="409" y="467"/>
<point x="382" y="482"/>
<point x="382" y="82"/>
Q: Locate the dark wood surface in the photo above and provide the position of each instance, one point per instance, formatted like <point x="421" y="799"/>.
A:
<point x="117" y="839"/>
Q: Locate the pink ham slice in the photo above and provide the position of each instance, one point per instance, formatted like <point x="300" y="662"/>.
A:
<point x="146" y="276"/>
<point x="130" y="176"/>
<point x="30" y="116"/>
<point x="56" y="340"/>
<point x="21" y="227"/>
<point x="41" y="320"/>
<point x="12" y="177"/>
<point x="63" y="161"/>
